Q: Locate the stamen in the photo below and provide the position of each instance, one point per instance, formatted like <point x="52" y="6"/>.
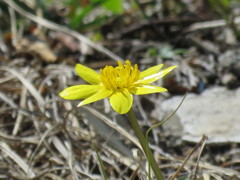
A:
<point x="120" y="77"/>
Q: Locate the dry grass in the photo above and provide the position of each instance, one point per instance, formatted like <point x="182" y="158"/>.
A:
<point x="44" y="137"/>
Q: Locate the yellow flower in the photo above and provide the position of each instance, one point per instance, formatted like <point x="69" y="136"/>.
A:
<point x="117" y="83"/>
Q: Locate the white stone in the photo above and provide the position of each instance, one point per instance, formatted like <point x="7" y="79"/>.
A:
<point x="215" y="113"/>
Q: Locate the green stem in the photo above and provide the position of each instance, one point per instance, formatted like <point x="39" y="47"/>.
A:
<point x="144" y="144"/>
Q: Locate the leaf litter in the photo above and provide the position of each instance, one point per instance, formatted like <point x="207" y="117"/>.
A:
<point x="44" y="137"/>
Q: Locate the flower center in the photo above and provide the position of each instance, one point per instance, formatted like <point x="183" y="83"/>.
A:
<point x="120" y="77"/>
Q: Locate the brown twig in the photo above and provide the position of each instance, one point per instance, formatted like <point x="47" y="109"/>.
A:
<point x="202" y="141"/>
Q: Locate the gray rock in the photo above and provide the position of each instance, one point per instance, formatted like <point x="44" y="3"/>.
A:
<point x="215" y="113"/>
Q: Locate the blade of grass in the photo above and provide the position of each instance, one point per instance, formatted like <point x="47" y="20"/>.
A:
<point x="134" y="174"/>
<point x="102" y="168"/>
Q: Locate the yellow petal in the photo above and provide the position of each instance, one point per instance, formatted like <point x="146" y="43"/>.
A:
<point x="150" y="71"/>
<point x="121" y="102"/>
<point x="147" y="89"/>
<point x="157" y="76"/>
<point x="88" y="74"/>
<point x="101" y="94"/>
<point x="79" y="91"/>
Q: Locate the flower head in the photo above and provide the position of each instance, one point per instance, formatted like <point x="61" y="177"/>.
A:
<point x="116" y="83"/>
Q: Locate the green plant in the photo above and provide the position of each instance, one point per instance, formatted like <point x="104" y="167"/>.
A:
<point x="90" y="13"/>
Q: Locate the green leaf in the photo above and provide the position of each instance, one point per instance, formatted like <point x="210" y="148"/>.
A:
<point x="80" y="13"/>
<point x="114" y="5"/>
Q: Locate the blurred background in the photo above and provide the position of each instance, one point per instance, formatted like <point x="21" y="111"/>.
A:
<point x="45" y="137"/>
